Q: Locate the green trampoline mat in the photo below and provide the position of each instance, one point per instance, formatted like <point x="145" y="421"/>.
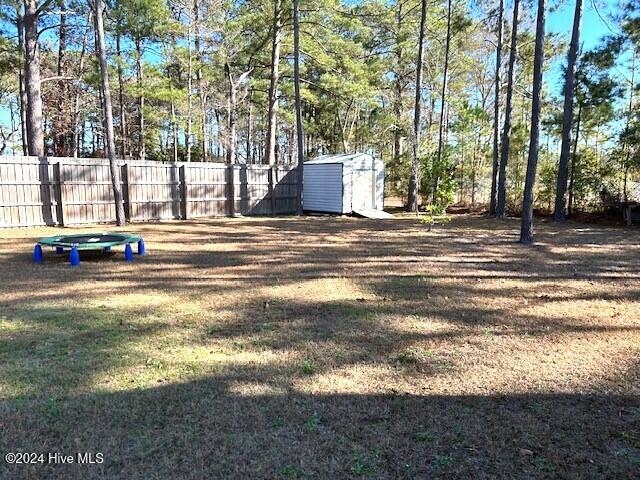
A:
<point x="90" y="241"/>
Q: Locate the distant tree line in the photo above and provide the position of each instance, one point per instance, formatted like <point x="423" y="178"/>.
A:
<point x="449" y="94"/>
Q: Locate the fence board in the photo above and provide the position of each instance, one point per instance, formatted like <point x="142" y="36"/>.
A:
<point x="207" y="190"/>
<point x="67" y="191"/>
<point x="153" y="191"/>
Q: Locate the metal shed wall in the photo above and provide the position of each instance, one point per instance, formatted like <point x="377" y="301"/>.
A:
<point x="347" y="189"/>
<point x="379" y="174"/>
<point x="363" y="189"/>
<point x="360" y="185"/>
<point x="323" y="188"/>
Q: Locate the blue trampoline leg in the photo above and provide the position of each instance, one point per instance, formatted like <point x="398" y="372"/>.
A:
<point x="128" y="253"/>
<point x="37" y="253"/>
<point x="106" y="250"/>
<point x="74" y="257"/>
<point x="59" y="250"/>
<point x="141" y="248"/>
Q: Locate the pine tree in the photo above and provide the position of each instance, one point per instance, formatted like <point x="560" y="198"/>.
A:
<point x="415" y="163"/>
<point x="526" y="230"/>
<point x="567" y="119"/>
<point x="107" y="111"/>
<point x="496" y="113"/>
<point x="506" y="131"/>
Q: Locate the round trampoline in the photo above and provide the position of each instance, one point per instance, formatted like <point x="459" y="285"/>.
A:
<point x="89" y="241"/>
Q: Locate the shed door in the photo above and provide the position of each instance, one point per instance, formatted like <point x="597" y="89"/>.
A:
<point x="323" y="187"/>
<point x="363" y="189"/>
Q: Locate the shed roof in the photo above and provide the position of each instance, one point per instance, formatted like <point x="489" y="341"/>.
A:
<point x="340" y="158"/>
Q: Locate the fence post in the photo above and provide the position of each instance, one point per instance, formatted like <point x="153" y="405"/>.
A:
<point x="176" y="193"/>
<point x="276" y="181"/>
<point x="231" y="188"/>
<point x="272" y="189"/>
<point x="124" y="174"/>
<point x="59" y="180"/>
<point x="183" y="191"/>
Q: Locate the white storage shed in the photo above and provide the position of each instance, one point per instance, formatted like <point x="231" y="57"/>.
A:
<point x="343" y="183"/>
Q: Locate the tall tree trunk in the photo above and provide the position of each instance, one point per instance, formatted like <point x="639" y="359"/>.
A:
<point x="462" y="172"/>
<point x="443" y="124"/>
<point x="78" y="97"/>
<point x="140" y="76"/>
<point x="526" y="228"/>
<point x="6" y="137"/>
<point x="219" y="127"/>
<point x="298" y="102"/>
<point x="272" y="127"/>
<point x="414" y="179"/>
<point x="430" y="112"/>
<point x="94" y="146"/>
<point x="574" y="159"/>
<point x="567" y="119"/>
<point x="123" y="108"/>
<point x="397" y="100"/>
<point x="625" y="193"/>
<point x="110" y="144"/>
<point x="249" y="145"/>
<point x="21" y="85"/>
<point x="473" y="182"/>
<point x="231" y="116"/>
<point x="188" y="133"/>
<point x="496" y="113"/>
<point x="232" y="106"/>
<point x="35" y="131"/>
<point x="506" y="132"/>
<point x="174" y="128"/>
<point x="475" y="165"/>
<point x="60" y="133"/>
<point x="270" y="153"/>
<point x="201" y="93"/>
<point x="627" y="147"/>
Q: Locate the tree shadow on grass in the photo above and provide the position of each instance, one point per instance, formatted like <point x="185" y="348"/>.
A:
<point x="194" y="265"/>
<point x="252" y="419"/>
<point x="48" y="351"/>
<point x="228" y="427"/>
<point x="249" y="420"/>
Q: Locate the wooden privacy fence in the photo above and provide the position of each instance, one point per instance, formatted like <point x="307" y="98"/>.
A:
<point x="66" y="191"/>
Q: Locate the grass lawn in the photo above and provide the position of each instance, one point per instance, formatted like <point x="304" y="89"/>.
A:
<point x="326" y="348"/>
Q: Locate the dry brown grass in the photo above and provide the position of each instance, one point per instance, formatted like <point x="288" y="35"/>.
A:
<point x="327" y="347"/>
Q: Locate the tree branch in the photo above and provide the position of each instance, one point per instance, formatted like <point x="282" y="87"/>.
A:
<point x="43" y="6"/>
<point x="59" y="77"/>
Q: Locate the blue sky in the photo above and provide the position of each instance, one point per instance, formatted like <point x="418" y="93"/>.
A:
<point x="593" y="29"/>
